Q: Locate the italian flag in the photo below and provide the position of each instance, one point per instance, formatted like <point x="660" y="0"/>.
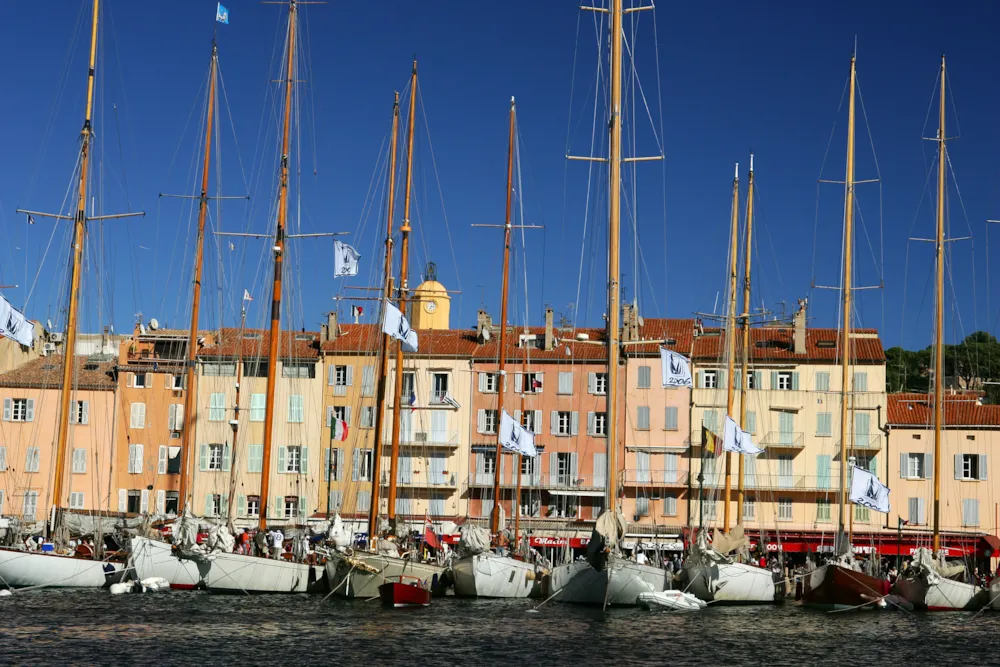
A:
<point x="338" y="430"/>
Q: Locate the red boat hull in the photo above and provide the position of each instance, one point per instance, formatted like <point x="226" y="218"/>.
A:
<point x="395" y="594"/>
<point x="837" y="587"/>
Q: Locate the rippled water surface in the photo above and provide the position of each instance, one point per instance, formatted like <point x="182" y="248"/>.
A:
<point x="94" y="627"/>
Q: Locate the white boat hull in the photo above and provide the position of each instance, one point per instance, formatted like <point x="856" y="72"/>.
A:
<point x="351" y="582"/>
<point x="619" y="584"/>
<point x="671" y="600"/>
<point x="730" y="583"/>
<point x="488" y="575"/>
<point x="155" y="558"/>
<point x="22" y="569"/>
<point x="942" y="595"/>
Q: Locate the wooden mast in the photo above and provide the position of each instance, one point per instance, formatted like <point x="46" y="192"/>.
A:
<point x="614" y="234"/>
<point x="939" y="317"/>
<point x="235" y="423"/>
<point x="383" y="361"/>
<point x="190" y="406"/>
<point x="79" y="239"/>
<point x="734" y="225"/>
<point x="501" y="373"/>
<point x="279" y="250"/>
<point x="745" y="362"/>
<point x="520" y="460"/>
<point x="845" y="346"/>
<point x="404" y="260"/>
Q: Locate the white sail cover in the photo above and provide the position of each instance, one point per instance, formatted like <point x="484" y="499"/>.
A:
<point x="185" y="531"/>
<point x="675" y="369"/>
<point x="345" y="260"/>
<point x="14" y="325"/>
<point x="473" y="539"/>
<point x="608" y="531"/>
<point x="515" y="437"/>
<point x="868" y="492"/>
<point x="735" y="439"/>
<point x="396" y="325"/>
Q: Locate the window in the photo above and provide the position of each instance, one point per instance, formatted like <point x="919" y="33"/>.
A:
<point x="565" y="383"/>
<point x="217" y="407"/>
<point x="823" y="381"/>
<point x="255" y="369"/>
<point x="30" y="504"/>
<point x="363" y="502"/>
<point x="488" y="383"/>
<point x="970" y="466"/>
<point x="749" y="508"/>
<point x="367" y="417"/>
<point x="486" y="421"/>
<point x="642" y="418"/>
<point x="215" y="456"/>
<point x="253" y="506"/>
<point x="709" y="379"/>
<point x="562" y="423"/>
<point x="293" y="460"/>
<point x="642" y="506"/>
<point x="751" y="384"/>
<point x="176" y="382"/>
<point x="362" y="471"/>
<point x="437" y="505"/>
<point x="529" y="468"/>
<point x="19" y="409"/>
<point x="340" y="378"/>
<point x="824" y="424"/>
<point x="566" y="507"/>
<point x="532" y="383"/>
<point x="79" y="460"/>
<point x="597" y="383"/>
<point x="970" y="511"/>
<point x="341" y="412"/>
<point x="255" y="458"/>
<point x="670" y="418"/>
<point x="440" y="387"/>
<point x="598" y="424"/>
<point x="784" y="509"/>
<point x="409" y="385"/>
<point x="79" y="412"/>
<point x="784" y="380"/>
<point x="139" y="380"/>
<point x="709" y="510"/>
<point x="258" y="406"/>
<point x="171" y="502"/>
<point x="175" y="417"/>
<point x="218" y="369"/>
<point x="486" y="465"/>
<point x="134" y="502"/>
<point x="565" y="471"/>
<point x="368" y="381"/>
<point x="670" y="505"/>
<point x="137" y="415"/>
<point x="914" y="466"/>
<point x="331" y="466"/>
<point x="291" y="507"/>
<point x="296" y="411"/>
<point x="76" y="500"/>
<point x="213" y="504"/>
<point x="32" y="459"/>
<point x="643" y="381"/>
<point x="860" y="381"/>
<point x="532" y="420"/>
<point x="298" y="369"/>
<point x="917" y="511"/>
<point x="861" y="514"/>
<point x="823" y="510"/>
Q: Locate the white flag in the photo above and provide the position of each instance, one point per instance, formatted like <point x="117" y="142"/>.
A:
<point x="675" y="368"/>
<point x="735" y="439"/>
<point x="345" y="260"/>
<point x="14" y="325"/>
<point x="246" y="295"/>
<point x="868" y="492"/>
<point x="515" y="437"/>
<point x="395" y="325"/>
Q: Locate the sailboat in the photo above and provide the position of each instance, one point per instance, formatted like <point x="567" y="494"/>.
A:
<point x="358" y="573"/>
<point x="709" y="571"/>
<point x="184" y="564"/>
<point x="840" y="584"/>
<point x="488" y="574"/>
<point x="20" y="568"/>
<point x="928" y="584"/>
<point x="607" y="577"/>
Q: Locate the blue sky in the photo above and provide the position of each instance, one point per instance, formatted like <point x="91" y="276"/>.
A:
<point x="731" y="77"/>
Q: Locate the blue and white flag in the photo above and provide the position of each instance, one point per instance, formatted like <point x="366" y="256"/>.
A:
<point x="735" y="439"/>
<point x="675" y="369"/>
<point x="868" y="492"/>
<point x="396" y="325"/>
<point x="222" y="14"/>
<point x="14" y="325"/>
<point x="515" y="437"/>
<point x="345" y="260"/>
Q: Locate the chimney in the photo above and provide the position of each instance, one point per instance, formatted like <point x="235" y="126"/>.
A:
<point x="799" y="324"/>
<point x="328" y="331"/>
<point x="484" y="325"/>
<point x="550" y="338"/>
<point x="630" y="322"/>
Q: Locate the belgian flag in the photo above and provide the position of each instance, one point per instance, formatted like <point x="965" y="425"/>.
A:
<point x="710" y="442"/>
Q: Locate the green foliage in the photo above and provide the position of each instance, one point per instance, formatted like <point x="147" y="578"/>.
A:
<point x="969" y="365"/>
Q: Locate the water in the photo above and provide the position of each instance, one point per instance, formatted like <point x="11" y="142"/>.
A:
<point x="94" y="627"/>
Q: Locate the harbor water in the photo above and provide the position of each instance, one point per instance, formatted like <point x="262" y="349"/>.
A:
<point x="193" y="628"/>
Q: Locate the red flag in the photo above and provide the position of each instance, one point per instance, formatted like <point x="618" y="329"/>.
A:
<point x="430" y="538"/>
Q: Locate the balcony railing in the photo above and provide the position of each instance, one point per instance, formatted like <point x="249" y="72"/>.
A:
<point x="867" y="442"/>
<point x="421" y="479"/>
<point x="542" y="481"/>
<point x="830" y="483"/>
<point x="437" y="396"/>
<point x="425" y="438"/>
<point x="655" y="478"/>
<point x="783" y="440"/>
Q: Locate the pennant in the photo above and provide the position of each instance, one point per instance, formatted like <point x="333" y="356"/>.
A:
<point x="246" y="296"/>
<point x="31" y="220"/>
<point x="345" y="260"/>
<point x="708" y="442"/>
<point x="357" y="311"/>
<point x="396" y="325"/>
<point x="515" y="437"/>
<point x="338" y="430"/>
<point x="868" y="492"/>
<point x="222" y="14"/>
<point x="675" y="369"/>
<point x="430" y="538"/>
<point x="735" y="439"/>
<point x="450" y="400"/>
<point x="14" y="325"/>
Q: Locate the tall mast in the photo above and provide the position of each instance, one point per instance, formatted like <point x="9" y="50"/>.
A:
<point x="614" y="233"/>
<point x="520" y="461"/>
<point x="383" y="360"/>
<point x="845" y="347"/>
<point x="734" y="225"/>
<point x="501" y="377"/>
<point x="79" y="239"/>
<point x="192" y="352"/>
<point x="404" y="260"/>
<point x="279" y="251"/>
<point x="231" y="509"/>
<point x="745" y="363"/>
<point x="939" y="319"/>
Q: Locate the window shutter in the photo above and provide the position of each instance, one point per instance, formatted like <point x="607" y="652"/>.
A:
<point x="122" y="500"/>
<point x="958" y="466"/>
<point x="172" y="417"/>
<point x="600" y="470"/>
<point x="904" y="461"/>
<point x="774" y="380"/>
<point x="129" y="382"/>
<point x="347" y="415"/>
<point x="149" y="380"/>
<point x="751" y="421"/>
<point x="553" y="468"/>
<point x="591" y="383"/>
<point x="161" y="461"/>
<point x="3" y="458"/>
<point x="928" y="465"/>
<point x="203" y="458"/>
<point x="517" y="416"/>
<point x="518" y="383"/>
<point x="590" y="423"/>
<point x="922" y="510"/>
<point x="29" y="415"/>
<point x="481" y="420"/>
<point x="329" y="415"/>
<point x="144" y="501"/>
<point x="282" y="458"/>
<point x="722" y="379"/>
<point x="226" y="458"/>
<point x="554" y="422"/>
<point x="139" y="456"/>
<point x="161" y="502"/>
<point x="326" y="464"/>
<point x="574" y="424"/>
<point x="982" y="466"/>
<point x="331" y="374"/>
<point x="356" y="465"/>
<point x="350" y="375"/>
<point x="757" y="380"/>
<point x="795" y="381"/>
<point x="737" y="380"/>
<point x="86" y="412"/>
<point x="670" y="418"/>
<point x="304" y="463"/>
<point x="699" y="379"/>
<point x="538" y="422"/>
<point x="279" y="507"/>
<point x="573" y="469"/>
<point x="482" y="383"/>
<point x="7" y="409"/>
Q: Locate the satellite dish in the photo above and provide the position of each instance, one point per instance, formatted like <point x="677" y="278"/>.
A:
<point x="49" y="323"/>
<point x="142" y="329"/>
<point x="153" y="324"/>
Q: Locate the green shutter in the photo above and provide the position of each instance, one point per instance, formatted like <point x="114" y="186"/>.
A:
<point x="305" y="460"/>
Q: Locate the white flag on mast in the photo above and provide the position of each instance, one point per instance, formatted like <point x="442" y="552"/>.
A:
<point x="868" y="492"/>
<point x="675" y="368"/>
<point x="14" y="325"/>
<point x="735" y="439"/>
<point x="395" y="325"/>
<point x="345" y="259"/>
<point x="515" y="437"/>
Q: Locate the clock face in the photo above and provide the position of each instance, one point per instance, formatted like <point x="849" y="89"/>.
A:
<point x="430" y="306"/>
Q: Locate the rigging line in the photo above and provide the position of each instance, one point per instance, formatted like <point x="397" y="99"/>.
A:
<point x="663" y="166"/>
<point x="637" y="84"/>
<point x="310" y="92"/>
<point x="136" y="299"/>
<point x="232" y="124"/>
<point x="822" y="167"/>
<point x="968" y="226"/>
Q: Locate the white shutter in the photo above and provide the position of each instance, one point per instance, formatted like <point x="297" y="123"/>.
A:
<point x="122" y="500"/>
<point x="161" y="502"/>
<point x="554" y="422"/>
<point x="922" y="510"/>
<point x="350" y="375"/>
<point x="590" y="423"/>
<point x="144" y="501"/>
<point x="482" y="383"/>
<point x="903" y="465"/>
<point x="591" y="383"/>
<point x="179" y="417"/>
<point x="481" y="421"/>
<point x="347" y="415"/>
<point x="172" y="417"/>
<point x="138" y="458"/>
<point x="161" y="461"/>
<point x="575" y="424"/>
<point x="982" y="466"/>
<point x="7" y="409"/>
<point x="85" y="417"/>
<point x="928" y="466"/>
<point x="958" y="466"/>
<point x="518" y="382"/>
<point x="331" y="375"/>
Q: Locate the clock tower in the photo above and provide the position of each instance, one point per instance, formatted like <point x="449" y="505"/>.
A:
<point x="431" y="304"/>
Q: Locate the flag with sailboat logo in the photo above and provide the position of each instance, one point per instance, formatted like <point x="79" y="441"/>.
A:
<point x="675" y="368"/>
<point x="396" y="325"/>
<point x="735" y="439"/>
<point x="14" y="325"/>
<point x="515" y="437"/>
<point x="868" y="492"/>
<point x="345" y="260"/>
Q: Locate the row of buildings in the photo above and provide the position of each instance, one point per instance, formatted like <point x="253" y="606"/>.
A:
<point x="128" y="418"/>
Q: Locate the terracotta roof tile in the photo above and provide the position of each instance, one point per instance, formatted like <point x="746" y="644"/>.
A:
<point x="777" y="344"/>
<point x="255" y="343"/>
<point x="917" y="410"/>
<point x="46" y="373"/>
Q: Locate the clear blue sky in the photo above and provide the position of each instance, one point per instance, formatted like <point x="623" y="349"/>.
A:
<point x="733" y="77"/>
